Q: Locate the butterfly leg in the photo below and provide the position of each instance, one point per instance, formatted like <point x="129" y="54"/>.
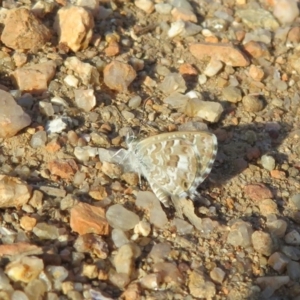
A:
<point x="160" y="194"/>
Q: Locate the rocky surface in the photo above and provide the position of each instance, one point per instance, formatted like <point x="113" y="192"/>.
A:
<point x="76" y="221"/>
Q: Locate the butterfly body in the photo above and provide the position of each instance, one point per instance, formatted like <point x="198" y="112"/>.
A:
<point x="174" y="163"/>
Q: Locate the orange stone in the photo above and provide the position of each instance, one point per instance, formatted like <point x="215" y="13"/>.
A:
<point x="27" y="223"/>
<point x="85" y="218"/>
<point x="64" y="169"/>
<point x="187" y="69"/>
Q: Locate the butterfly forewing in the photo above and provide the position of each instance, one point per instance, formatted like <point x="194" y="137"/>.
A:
<point x="176" y="163"/>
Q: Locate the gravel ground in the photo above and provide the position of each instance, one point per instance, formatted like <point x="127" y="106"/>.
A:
<point x="77" y="78"/>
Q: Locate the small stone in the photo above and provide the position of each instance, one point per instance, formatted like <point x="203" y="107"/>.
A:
<point x="293" y="270"/>
<point x="27" y="223"/>
<point x="18" y="249"/>
<point x="118" y="76"/>
<point x="217" y="275"/>
<point x="286" y="11"/>
<point x="252" y="103"/>
<point x="207" y="110"/>
<point x="295" y="201"/>
<point x="146" y="5"/>
<point x="173" y="82"/>
<point x="112" y="49"/>
<point x="294" y="35"/>
<point x="151" y="281"/>
<point x="267" y="206"/>
<point x="258" y="191"/>
<point x="168" y="272"/>
<point x="270" y="284"/>
<point x="71" y="81"/>
<point x="23" y="30"/>
<point x="85" y="218"/>
<point x="177" y="28"/>
<point x="256" y="73"/>
<point x="125" y="257"/>
<point x="268" y="162"/>
<point x="74" y="26"/>
<point x="46" y="231"/>
<point x="56" y="125"/>
<point x="149" y="201"/>
<point x="64" y="169"/>
<point x="90" y="271"/>
<point x="111" y="170"/>
<point x="119" y="280"/>
<point x="57" y="275"/>
<point x="277" y="227"/>
<point x="119" y="237"/>
<point x="135" y="102"/>
<point x="46" y="108"/>
<point x="200" y="287"/>
<point x="184" y="14"/>
<point x="12" y="117"/>
<point x="278" y="262"/>
<point x="121" y="218"/>
<point x="291" y="252"/>
<point x="263" y="243"/>
<point x="34" y="78"/>
<point x="160" y="252"/>
<point x="87" y="73"/>
<point x="13" y="192"/>
<point x="240" y="234"/>
<point x="256" y="49"/>
<point x="142" y="228"/>
<point x="24" y="269"/>
<point x="232" y="94"/>
<point x="213" y="68"/>
<point x="38" y="139"/>
<point x="277" y="174"/>
<point x="20" y="59"/>
<point x="292" y="238"/>
<point x="98" y="192"/>
<point x="188" y="69"/>
<point x="163" y="8"/>
<point x="182" y="226"/>
<point x="226" y="53"/>
<point x="131" y="178"/>
<point x="85" y="99"/>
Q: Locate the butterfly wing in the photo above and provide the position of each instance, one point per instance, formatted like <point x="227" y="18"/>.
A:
<point x="176" y="163"/>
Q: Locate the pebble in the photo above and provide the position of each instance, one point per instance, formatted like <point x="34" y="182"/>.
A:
<point x="142" y="228"/>
<point x="23" y="30"/>
<point x="277" y="227"/>
<point x="12" y="116"/>
<point x="146" y="5"/>
<point x="74" y="26"/>
<point x="63" y="168"/>
<point x="267" y="207"/>
<point x="286" y="11"/>
<point x="24" y="269"/>
<point x="240" y="234"/>
<point x="217" y="275"/>
<point x="263" y="243"/>
<point x="232" y="94"/>
<point x="163" y="8"/>
<point x="291" y="252"/>
<point x="173" y="82"/>
<point x="168" y="272"/>
<point x="200" y="287"/>
<point x="295" y="201"/>
<point x="119" y="237"/>
<point x="160" y="252"/>
<point x="151" y="281"/>
<point x="148" y="201"/>
<point x="258" y="192"/>
<point x="27" y="223"/>
<point x="85" y="99"/>
<point x="182" y="226"/>
<point x="113" y="171"/>
<point x="71" y="81"/>
<point x="85" y="218"/>
<point x="118" y="75"/>
<point x="38" y="139"/>
<point x="278" y="261"/>
<point x="13" y="192"/>
<point x="256" y="73"/>
<point x="177" y="28"/>
<point x="293" y="270"/>
<point x="46" y="231"/>
<point x="184" y="14"/>
<point x="177" y="101"/>
<point x="225" y="53"/>
<point x="87" y="73"/>
<point x="56" y="126"/>
<point x="256" y="49"/>
<point x="252" y="103"/>
<point x="268" y="162"/>
<point x="58" y="274"/>
<point x="207" y="110"/>
<point x="46" y="108"/>
<point x="134" y="102"/>
<point x="121" y="218"/>
<point x="213" y="68"/>
<point x="292" y="238"/>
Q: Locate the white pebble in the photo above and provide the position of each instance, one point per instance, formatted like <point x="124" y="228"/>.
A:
<point x="213" y="67"/>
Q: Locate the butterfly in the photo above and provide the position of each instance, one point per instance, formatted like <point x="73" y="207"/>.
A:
<point x="174" y="163"/>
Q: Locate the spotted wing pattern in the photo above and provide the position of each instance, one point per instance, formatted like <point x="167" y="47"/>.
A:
<point x="175" y="163"/>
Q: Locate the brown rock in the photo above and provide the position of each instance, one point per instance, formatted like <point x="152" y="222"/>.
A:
<point x="187" y="69"/>
<point x="262" y="243"/>
<point x="35" y="78"/>
<point x="256" y="73"/>
<point x="19" y="249"/>
<point x="200" y="287"/>
<point x="278" y="261"/>
<point x="64" y="169"/>
<point x="277" y="174"/>
<point x="294" y="35"/>
<point x="181" y="13"/>
<point x="118" y="75"/>
<point x="98" y="192"/>
<point x="13" y="192"/>
<point x="12" y="116"/>
<point x="53" y="146"/>
<point x="74" y="26"/>
<point x="112" y="49"/>
<point x="132" y="292"/>
<point x="258" y="191"/>
<point x="20" y="59"/>
<point x="23" y="30"/>
<point x="27" y="223"/>
<point x="226" y="53"/>
<point x="256" y="49"/>
<point x="268" y="206"/>
<point x="85" y="218"/>
<point x="169" y="272"/>
<point x="252" y="103"/>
